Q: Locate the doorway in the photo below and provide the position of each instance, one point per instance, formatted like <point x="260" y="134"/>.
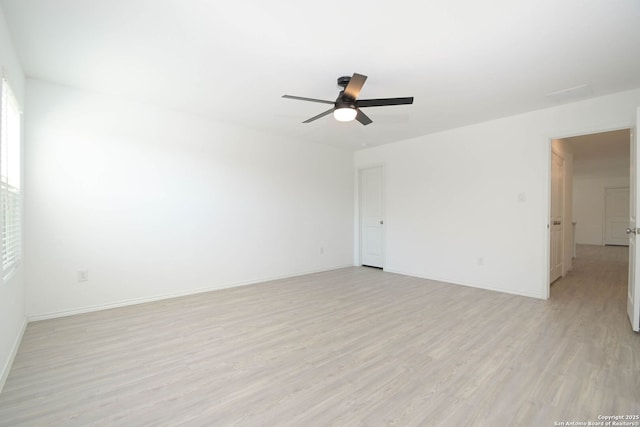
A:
<point x="371" y="217"/>
<point x="589" y="165"/>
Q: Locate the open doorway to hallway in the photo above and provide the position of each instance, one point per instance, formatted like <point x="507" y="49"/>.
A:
<point x="590" y="188"/>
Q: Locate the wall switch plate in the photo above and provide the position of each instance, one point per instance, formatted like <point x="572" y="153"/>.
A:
<point x="83" y="275"/>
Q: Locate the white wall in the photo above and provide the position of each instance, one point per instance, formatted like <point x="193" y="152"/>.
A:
<point x="155" y="203"/>
<point x="12" y="293"/>
<point x="589" y="206"/>
<point x="564" y="150"/>
<point x="452" y="198"/>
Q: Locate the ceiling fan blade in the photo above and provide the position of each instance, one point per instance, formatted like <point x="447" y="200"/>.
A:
<point x="319" y="116"/>
<point x="355" y="85"/>
<point x="300" y="98"/>
<point x="363" y="118"/>
<point x="384" y="102"/>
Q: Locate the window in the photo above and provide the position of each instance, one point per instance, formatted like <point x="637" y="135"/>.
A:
<point x="10" y="173"/>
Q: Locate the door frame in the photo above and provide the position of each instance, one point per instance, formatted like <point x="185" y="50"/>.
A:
<point x="546" y="287"/>
<point x="358" y="213"/>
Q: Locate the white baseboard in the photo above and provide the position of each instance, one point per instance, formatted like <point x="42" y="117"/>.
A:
<point x="134" y="301"/>
<point x="14" y="350"/>
<point x="471" y="285"/>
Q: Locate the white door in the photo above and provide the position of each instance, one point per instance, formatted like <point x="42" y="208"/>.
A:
<point x="633" y="292"/>
<point x="616" y="216"/>
<point x="556" y="221"/>
<point x="371" y="219"/>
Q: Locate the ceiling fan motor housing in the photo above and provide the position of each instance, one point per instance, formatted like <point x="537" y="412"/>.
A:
<point x="344" y="102"/>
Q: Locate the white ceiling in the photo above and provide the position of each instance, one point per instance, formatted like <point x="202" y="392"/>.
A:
<point x="601" y="145"/>
<point x="464" y="61"/>
<point x="601" y="154"/>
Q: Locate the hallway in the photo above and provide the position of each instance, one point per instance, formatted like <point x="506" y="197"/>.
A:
<point x="598" y="279"/>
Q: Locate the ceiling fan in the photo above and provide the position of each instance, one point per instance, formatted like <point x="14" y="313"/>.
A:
<point x="347" y="106"/>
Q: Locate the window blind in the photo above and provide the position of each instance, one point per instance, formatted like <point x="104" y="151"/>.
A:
<point x="10" y="177"/>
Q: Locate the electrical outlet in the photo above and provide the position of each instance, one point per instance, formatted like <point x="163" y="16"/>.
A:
<point x="83" y="275"/>
<point x="321" y="250"/>
<point x="480" y="261"/>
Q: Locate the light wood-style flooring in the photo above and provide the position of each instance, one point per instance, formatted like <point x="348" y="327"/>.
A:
<point x="350" y="347"/>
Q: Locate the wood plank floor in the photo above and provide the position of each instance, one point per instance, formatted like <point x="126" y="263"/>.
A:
<point x="350" y="347"/>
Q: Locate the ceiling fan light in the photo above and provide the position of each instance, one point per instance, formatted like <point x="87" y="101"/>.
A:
<point x="345" y="114"/>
